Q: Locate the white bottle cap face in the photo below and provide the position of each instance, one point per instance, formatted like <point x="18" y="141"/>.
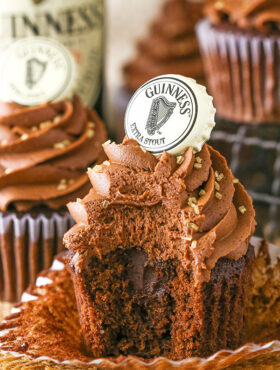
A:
<point x="36" y="70"/>
<point x="170" y="113"/>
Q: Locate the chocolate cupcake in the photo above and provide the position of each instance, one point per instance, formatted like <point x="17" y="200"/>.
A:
<point x="170" y="47"/>
<point x="160" y="256"/>
<point x="239" y="42"/>
<point x="44" y="152"/>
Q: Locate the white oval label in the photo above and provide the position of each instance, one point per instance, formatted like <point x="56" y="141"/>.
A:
<point x="36" y="70"/>
<point x="162" y="113"/>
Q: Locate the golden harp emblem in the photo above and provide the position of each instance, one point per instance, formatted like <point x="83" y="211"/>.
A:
<point x="160" y="112"/>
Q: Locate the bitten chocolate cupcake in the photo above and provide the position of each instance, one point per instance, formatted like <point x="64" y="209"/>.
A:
<point x="160" y="256"/>
<point x="44" y="153"/>
<point x="170" y="47"/>
<point x="240" y="47"/>
<point x="161" y="261"/>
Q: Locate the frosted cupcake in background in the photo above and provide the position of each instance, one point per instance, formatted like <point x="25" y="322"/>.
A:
<point x="169" y="47"/>
<point x="239" y="42"/>
<point x="45" y="150"/>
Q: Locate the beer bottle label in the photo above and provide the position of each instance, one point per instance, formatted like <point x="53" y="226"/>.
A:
<point x="76" y="24"/>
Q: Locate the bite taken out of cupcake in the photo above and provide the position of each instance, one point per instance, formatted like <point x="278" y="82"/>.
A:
<point x="45" y="150"/>
<point x="160" y="257"/>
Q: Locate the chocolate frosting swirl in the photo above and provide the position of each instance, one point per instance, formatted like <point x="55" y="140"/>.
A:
<point x="261" y="15"/>
<point x="44" y="152"/>
<point x="170" y="47"/>
<point x="193" y="210"/>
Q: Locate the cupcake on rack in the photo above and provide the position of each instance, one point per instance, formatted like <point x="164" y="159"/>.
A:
<point x="160" y="257"/>
<point x="45" y="150"/>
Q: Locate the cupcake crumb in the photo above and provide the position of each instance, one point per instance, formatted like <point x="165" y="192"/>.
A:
<point x="24" y="137"/>
<point x="218" y="195"/>
<point x="202" y="192"/>
<point x="179" y="159"/>
<point x="242" y="209"/>
<point x="105" y="203"/>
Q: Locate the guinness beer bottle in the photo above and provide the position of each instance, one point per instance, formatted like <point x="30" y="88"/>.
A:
<point x="77" y="24"/>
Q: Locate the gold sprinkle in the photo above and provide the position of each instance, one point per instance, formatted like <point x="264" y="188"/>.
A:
<point x="61" y="186"/>
<point x="45" y="124"/>
<point x="62" y="145"/>
<point x="196" y="209"/>
<point x="90" y="133"/>
<point x="192" y="200"/>
<point x="198" y="159"/>
<point x="179" y="159"/>
<point x="235" y="181"/>
<point x="197" y="165"/>
<point x="105" y="203"/>
<point x="57" y="119"/>
<point x="79" y="200"/>
<point x="107" y="142"/>
<point x="217" y="186"/>
<point x="202" y="192"/>
<point x="219" y="5"/>
<point x="194" y="244"/>
<point x="96" y="168"/>
<point x="71" y="181"/>
<point x="242" y="209"/>
<point x="106" y="163"/>
<point x="186" y="221"/>
<point x="188" y="238"/>
<point x="91" y="124"/>
<point x="219" y="176"/>
<point x="8" y="171"/>
<point x="193" y="226"/>
<point x="63" y="181"/>
<point x="34" y="128"/>
<point x="218" y="195"/>
<point x="24" y="137"/>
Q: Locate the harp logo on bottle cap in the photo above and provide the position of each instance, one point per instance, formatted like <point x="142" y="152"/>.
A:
<point x="36" y="70"/>
<point x="170" y="113"/>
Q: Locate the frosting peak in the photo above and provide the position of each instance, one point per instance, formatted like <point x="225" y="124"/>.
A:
<point x="44" y="152"/>
<point x="187" y="207"/>
<point x="261" y="15"/>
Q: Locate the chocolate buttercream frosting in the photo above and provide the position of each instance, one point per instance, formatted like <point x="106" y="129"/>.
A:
<point x="44" y="152"/>
<point x="215" y="213"/>
<point x="261" y="15"/>
<point x="170" y="47"/>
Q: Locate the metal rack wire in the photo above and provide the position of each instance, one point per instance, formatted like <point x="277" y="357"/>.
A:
<point x="253" y="154"/>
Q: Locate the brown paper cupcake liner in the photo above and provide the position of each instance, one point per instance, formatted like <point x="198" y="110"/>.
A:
<point x="43" y="330"/>
<point x="242" y="70"/>
<point x="27" y="245"/>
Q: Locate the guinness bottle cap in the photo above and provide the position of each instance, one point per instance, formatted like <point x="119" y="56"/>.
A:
<point x="170" y="113"/>
<point x="36" y="70"/>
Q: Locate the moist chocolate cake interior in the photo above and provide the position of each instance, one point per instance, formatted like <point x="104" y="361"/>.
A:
<point x="147" y="307"/>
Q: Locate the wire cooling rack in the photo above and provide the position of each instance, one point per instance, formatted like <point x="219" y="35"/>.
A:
<point x="253" y="154"/>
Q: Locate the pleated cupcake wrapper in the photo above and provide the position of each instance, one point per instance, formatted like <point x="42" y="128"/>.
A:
<point x="28" y="245"/>
<point x="243" y="73"/>
<point x="248" y="356"/>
